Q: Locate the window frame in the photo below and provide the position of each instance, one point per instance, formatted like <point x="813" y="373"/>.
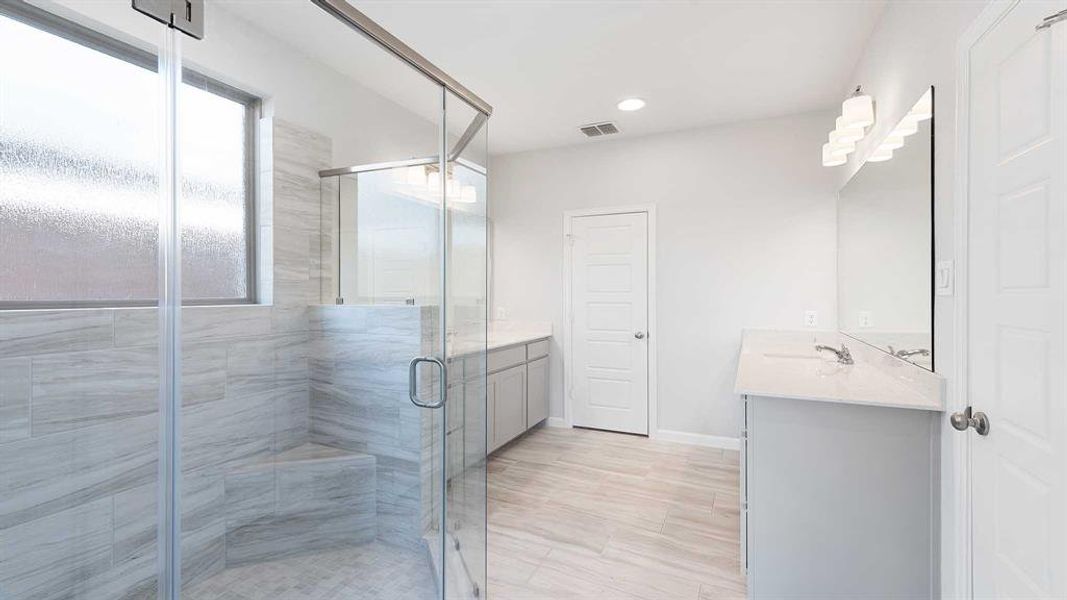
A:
<point x="84" y="36"/>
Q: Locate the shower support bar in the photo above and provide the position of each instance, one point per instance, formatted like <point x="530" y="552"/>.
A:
<point x="365" y="25"/>
<point x="383" y="166"/>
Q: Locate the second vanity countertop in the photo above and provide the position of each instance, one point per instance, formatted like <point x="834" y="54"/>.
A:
<point x="785" y="364"/>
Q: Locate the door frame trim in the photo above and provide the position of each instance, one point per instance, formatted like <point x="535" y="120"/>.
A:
<point x="653" y="336"/>
<point x="963" y="563"/>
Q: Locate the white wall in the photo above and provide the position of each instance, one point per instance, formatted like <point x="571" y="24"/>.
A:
<point x="914" y="46"/>
<point x="746" y="238"/>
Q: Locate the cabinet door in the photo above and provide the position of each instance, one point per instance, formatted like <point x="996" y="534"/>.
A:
<point x="509" y="404"/>
<point x="536" y="392"/>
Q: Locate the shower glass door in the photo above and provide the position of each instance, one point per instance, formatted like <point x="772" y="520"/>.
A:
<point x="80" y="144"/>
<point x="191" y="251"/>
<point x="314" y="179"/>
<point x="466" y="296"/>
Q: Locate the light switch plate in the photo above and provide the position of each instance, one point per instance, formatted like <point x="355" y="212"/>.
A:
<point x="501" y="313"/>
<point x="811" y="318"/>
<point x="944" y="278"/>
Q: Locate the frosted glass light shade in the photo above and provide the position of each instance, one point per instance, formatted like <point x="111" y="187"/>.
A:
<point x="848" y="134"/>
<point x="839" y="147"/>
<point x="832" y="158"/>
<point x="858" y="111"/>
<point x="881" y="154"/>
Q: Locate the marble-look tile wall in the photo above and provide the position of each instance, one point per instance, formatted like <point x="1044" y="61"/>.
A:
<point x="79" y="408"/>
<point x="359" y="401"/>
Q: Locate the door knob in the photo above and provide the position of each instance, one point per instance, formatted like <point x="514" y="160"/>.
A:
<point x="962" y="420"/>
<point x="639" y="335"/>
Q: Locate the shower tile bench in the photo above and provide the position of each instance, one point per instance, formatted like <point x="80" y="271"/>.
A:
<point x="308" y="498"/>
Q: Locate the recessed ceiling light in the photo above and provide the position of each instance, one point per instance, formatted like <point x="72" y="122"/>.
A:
<point x="631" y="104"/>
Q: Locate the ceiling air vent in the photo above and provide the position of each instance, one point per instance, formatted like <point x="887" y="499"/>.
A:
<point x="598" y="129"/>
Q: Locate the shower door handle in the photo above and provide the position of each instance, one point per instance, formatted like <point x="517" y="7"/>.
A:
<point x="413" y="381"/>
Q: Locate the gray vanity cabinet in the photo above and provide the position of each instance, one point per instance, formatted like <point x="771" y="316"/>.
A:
<point x="838" y="500"/>
<point x="517" y="393"/>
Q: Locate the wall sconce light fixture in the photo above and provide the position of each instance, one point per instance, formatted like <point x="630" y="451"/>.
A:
<point x="857" y="114"/>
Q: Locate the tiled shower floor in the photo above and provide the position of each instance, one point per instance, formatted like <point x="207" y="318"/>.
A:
<point x="372" y="571"/>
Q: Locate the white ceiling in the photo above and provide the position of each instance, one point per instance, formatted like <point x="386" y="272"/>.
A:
<point x="549" y="66"/>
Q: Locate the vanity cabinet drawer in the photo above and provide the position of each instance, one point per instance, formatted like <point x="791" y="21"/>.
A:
<point x="536" y="349"/>
<point x="506" y="357"/>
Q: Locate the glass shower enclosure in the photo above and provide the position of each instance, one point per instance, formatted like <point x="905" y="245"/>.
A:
<point x="243" y="295"/>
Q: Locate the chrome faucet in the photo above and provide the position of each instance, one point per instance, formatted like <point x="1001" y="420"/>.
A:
<point x="908" y="353"/>
<point x="843" y="355"/>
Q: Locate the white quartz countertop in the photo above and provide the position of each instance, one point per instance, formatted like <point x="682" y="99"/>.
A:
<point x="502" y="336"/>
<point x="501" y="339"/>
<point x="785" y="364"/>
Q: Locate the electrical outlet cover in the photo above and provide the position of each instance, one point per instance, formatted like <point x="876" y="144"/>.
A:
<point x="865" y="319"/>
<point x="811" y="318"/>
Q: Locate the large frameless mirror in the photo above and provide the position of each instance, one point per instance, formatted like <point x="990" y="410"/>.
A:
<point x="885" y="242"/>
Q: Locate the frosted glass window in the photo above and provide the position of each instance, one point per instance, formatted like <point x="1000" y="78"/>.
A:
<point x="79" y="175"/>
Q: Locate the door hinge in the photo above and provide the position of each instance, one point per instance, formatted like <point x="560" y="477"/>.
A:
<point x="1051" y="20"/>
<point x="187" y="16"/>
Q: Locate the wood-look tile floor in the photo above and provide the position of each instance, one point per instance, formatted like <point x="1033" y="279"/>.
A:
<point x="581" y="514"/>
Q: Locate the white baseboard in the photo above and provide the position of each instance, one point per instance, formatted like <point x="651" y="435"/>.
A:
<point x="697" y="439"/>
<point x="556" y="422"/>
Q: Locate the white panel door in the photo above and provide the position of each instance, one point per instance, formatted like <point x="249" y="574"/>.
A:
<point x="609" y="309"/>
<point x="1016" y="366"/>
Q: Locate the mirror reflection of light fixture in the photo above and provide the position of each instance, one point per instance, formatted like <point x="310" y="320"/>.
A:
<point x="893" y="142"/>
<point x="433" y="185"/>
<point x="468" y="195"/>
<point x="881" y="154"/>
<point x="909" y="125"/>
<point x="924" y="108"/>
<point x="424" y="183"/>
<point x="416" y="176"/>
